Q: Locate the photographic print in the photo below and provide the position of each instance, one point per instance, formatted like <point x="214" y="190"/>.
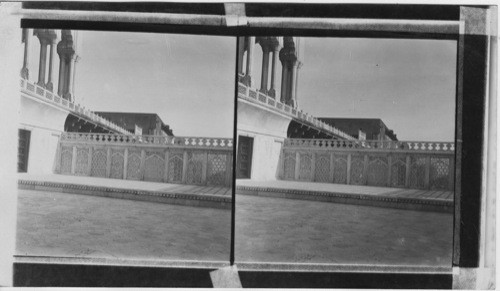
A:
<point x="125" y="145"/>
<point x="345" y="151"/>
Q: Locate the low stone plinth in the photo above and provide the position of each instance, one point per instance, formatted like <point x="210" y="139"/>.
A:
<point x="350" y="198"/>
<point x="170" y="197"/>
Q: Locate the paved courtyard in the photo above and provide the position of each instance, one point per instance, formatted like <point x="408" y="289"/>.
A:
<point x="61" y="224"/>
<point x="267" y="230"/>
<point x="128" y="184"/>
<point x="350" y="189"/>
<point x="299" y="231"/>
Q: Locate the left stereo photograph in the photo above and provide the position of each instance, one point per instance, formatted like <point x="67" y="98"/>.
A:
<point x="125" y="147"/>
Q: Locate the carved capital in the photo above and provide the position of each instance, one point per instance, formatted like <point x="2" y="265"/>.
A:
<point x="274" y="44"/>
<point x="65" y="47"/>
<point x="265" y="43"/>
<point x="288" y="54"/>
<point x="46" y="36"/>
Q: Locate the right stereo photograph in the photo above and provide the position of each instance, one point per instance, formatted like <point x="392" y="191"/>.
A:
<point x="345" y="151"/>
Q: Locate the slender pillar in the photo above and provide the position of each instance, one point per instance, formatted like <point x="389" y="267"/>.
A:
<point x="296" y="83"/>
<point x="25" y="70"/>
<point x="69" y="84"/>
<point x="288" y="60"/>
<point x="292" y="86"/>
<point x="60" y="84"/>
<point x="241" y="52"/>
<point x="289" y="84"/>
<point x="265" y="68"/>
<point x="248" y="76"/>
<point x="43" y="60"/>
<point x="50" y="85"/>
<point x="66" y="51"/>
<point x="284" y="78"/>
<point x="272" y="90"/>
<point x="76" y="59"/>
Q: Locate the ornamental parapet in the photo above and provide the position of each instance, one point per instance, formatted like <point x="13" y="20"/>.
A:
<point x="178" y="160"/>
<point x="398" y="164"/>
<point x="372" y="145"/>
<point x="49" y="97"/>
<point x="254" y="96"/>
<point x="148" y="140"/>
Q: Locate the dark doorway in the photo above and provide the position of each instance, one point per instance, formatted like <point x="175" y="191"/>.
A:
<point x="244" y="162"/>
<point x="23" y="150"/>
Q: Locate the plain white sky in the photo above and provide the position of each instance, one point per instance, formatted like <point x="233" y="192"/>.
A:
<point x="408" y="83"/>
<point x="188" y="80"/>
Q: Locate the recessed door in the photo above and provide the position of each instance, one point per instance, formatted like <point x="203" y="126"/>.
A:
<point x="23" y="150"/>
<point x="244" y="161"/>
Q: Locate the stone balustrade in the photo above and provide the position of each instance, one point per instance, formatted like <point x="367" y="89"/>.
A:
<point x="371" y="145"/>
<point x="255" y="96"/>
<point x="178" y="160"/>
<point x="47" y="96"/>
<point x="400" y="164"/>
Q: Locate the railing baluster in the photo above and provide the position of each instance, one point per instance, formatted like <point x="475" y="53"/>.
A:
<point x="125" y="164"/>
<point x="297" y="166"/>
<point x="313" y="167"/>
<point x="204" y="168"/>
<point x="184" y="166"/>
<point x="73" y="161"/>
<point x="89" y="165"/>
<point x="389" y="170"/>
<point x="365" y="169"/>
<point x="407" y="171"/>
<point x="108" y="162"/>
<point x="165" y="173"/>
<point x="348" y="177"/>
<point x="332" y="168"/>
<point x="143" y="161"/>
<point x="427" y="171"/>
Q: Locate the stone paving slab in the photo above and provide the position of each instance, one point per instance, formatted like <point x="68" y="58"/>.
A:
<point x="414" y="199"/>
<point x="274" y="230"/>
<point x="190" y="195"/>
<point x="59" y="224"/>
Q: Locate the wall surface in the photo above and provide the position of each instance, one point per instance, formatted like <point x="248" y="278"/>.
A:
<point x="46" y="123"/>
<point x="268" y="129"/>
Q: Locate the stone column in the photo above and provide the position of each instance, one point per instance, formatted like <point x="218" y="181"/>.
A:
<point x="241" y="52"/>
<point x="66" y="51"/>
<point x="76" y="59"/>
<point x="69" y="81"/>
<point x="43" y="57"/>
<point x="284" y="79"/>
<point x="293" y="84"/>
<point x="248" y="76"/>
<point x="52" y="37"/>
<point x="61" y="82"/>
<point x="25" y="70"/>
<point x="296" y="83"/>
<point x="49" y="84"/>
<point x="288" y="59"/>
<point x="265" y="68"/>
<point x="272" y="90"/>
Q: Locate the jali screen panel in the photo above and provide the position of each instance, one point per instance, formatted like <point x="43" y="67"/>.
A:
<point x="400" y="164"/>
<point x="183" y="160"/>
